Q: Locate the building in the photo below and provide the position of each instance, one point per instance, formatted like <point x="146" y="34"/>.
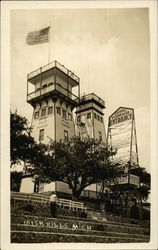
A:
<point x="53" y="101"/>
<point x="90" y="123"/>
<point x="89" y="117"/>
<point x="50" y="91"/>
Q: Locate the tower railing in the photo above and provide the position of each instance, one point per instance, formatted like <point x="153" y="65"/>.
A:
<point x="92" y="96"/>
<point x="49" y="89"/>
<point x="52" y="65"/>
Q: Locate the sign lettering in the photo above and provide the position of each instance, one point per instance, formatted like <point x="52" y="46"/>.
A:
<point x="56" y="224"/>
<point x="120" y="116"/>
<point x="65" y="123"/>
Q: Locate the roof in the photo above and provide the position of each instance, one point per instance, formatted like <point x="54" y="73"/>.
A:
<point x="92" y="98"/>
<point x="132" y="109"/>
<point x="50" y="66"/>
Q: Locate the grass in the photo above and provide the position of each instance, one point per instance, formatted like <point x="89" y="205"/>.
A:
<point x="42" y="231"/>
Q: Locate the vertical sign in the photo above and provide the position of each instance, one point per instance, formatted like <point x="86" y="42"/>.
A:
<point x="122" y="136"/>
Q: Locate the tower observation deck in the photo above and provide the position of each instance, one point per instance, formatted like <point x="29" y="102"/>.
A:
<point x="53" y="79"/>
<point x="53" y="91"/>
<point x="93" y="99"/>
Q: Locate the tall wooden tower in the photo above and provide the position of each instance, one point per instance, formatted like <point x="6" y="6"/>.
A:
<point x="89" y="117"/>
<point x="90" y="123"/>
<point x="50" y="92"/>
<point x="122" y="135"/>
<point x="53" y="101"/>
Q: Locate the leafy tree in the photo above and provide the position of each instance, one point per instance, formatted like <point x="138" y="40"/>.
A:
<point x="143" y="189"/>
<point x="76" y="162"/>
<point x="21" y="140"/>
<point x="143" y="175"/>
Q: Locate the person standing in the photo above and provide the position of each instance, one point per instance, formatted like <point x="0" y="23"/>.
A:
<point x="53" y="204"/>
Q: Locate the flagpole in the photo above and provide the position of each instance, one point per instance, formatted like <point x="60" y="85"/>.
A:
<point x="49" y="44"/>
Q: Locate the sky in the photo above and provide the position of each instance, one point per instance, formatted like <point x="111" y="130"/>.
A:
<point x="109" y="49"/>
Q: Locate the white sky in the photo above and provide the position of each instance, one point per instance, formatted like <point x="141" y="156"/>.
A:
<point x="107" y="48"/>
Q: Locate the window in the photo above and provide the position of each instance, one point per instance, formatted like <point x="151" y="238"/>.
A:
<point x="130" y="116"/>
<point x="65" y="135"/>
<point x="98" y="117"/>
<point x="58" y="111"/>
<point x="69" y="116"/>
<point x="36" y="116"/>
<point x="88" y="115"/>
<point x="100" y="136"/>
<point x="50" y="110"/>
<point x="126" y="117"/>
<point x="78" y="118"/>
<point x="43" y="112"/>
<point x="101" y="119"/>
<point x="95" y="115"/>
<point x="64" y="114"/>
<point x="41" y="135"/>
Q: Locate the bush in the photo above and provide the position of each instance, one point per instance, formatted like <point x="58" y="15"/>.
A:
<point x="99" y="227"/>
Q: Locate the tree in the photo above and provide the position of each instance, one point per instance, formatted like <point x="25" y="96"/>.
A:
<point x="143" y="189"/>
<point x="22" y="142"/>
<point x="76" y="162"/>
<point x="142" y="174"/>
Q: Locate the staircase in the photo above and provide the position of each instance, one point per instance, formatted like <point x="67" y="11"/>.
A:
<point x="68" y="228"/>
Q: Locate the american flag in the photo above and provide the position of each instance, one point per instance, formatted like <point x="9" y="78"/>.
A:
<point x="37" y="37"/>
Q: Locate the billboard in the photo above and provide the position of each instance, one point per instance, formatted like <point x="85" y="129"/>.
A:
<point x="122" y="135"/>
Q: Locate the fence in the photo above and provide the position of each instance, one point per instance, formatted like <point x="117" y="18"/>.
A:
<point x="43" y="199"/>
<point x="49" y="88"/>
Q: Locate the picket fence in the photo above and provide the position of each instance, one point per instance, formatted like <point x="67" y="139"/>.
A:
<point x="43" y="199"/>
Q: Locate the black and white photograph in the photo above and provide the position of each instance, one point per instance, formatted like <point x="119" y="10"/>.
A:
<point x="79" y="111"/>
